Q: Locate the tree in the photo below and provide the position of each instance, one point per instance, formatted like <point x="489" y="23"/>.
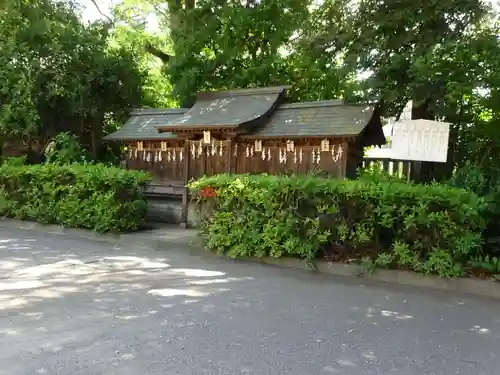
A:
<point x="428" y="52"/>
<point x="131" y="20"/>
<point x="442" y="55"/>
<point x="228" y="44"/>
<point x="60" y="75"/>
<point x="216" y="45"/>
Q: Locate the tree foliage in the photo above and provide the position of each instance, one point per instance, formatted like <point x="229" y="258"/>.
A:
<point x="442" y="55"/>
<point x="61" y="75"/>
<point x="234" y="44"/>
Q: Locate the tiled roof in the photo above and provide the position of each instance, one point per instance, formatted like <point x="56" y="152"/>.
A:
<point x="313" y="119"/>
<point x="143" y="123"/>
<point x="310" y="119"/>
<point x="229" y="108"/>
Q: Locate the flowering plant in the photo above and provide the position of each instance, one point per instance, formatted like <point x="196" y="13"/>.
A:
<point x="208" y="192"/>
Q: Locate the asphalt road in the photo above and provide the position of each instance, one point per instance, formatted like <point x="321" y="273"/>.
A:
<point x="72" y="306"/>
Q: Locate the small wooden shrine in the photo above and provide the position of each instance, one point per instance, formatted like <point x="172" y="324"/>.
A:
<point x="247" y="131"/>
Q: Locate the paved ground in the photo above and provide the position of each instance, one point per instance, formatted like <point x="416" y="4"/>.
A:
<point x="72" y="306"/>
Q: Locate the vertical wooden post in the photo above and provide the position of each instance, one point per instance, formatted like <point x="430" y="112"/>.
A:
<point x="229" y="156"/>
<point x="203" y="160"/>
<point x="408" y="177"/>
<point x="342" y="171"/>
<point x="185" y="192"/>
<point x="385" y="166"/>
<point x="405" y="171"/>
<point x="275" y="162"/>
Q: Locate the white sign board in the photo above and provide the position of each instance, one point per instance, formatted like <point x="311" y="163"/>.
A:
<point x="421" y="140"/>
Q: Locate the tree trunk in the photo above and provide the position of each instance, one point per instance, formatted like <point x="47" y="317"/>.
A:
<point x="97" y="137"/>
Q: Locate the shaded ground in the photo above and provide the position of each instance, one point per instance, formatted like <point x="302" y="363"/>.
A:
<point x="73" y="306"/>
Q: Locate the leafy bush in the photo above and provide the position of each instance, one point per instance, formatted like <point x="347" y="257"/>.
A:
<point x="85" y="196"/>
<point x="376" y="173"/>
<point x="15" y="161"/>
<point x="472" y="178"/>
<point x="431" y="229"/>
<point x="65" y="149"/>
<point x="485" y="264"/>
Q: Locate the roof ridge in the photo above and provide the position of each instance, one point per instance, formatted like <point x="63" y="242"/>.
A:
<point x="210" y="95"/>
<point x="158" y="111"/>
<point x="323" y="103"/>
<point x="316" y="103"/>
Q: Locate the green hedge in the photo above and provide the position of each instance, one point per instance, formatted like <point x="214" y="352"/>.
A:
<point x="82" y="196"/>
<point x="430" y="229"/>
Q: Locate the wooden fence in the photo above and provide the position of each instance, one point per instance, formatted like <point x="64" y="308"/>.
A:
<point x="400" y="168"/>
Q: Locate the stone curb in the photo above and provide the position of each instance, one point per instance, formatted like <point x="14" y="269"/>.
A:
<point x="483" y="288"/>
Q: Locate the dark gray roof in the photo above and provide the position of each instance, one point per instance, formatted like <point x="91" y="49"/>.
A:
<point x="316" y="119"/>
<point x="310" y="119"/>
<point x="143" y="123"/>
<point x="229" y="108"/>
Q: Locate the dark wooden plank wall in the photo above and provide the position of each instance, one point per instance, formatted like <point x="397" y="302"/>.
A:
<point x="165" y="166"/>
<point x="210" y="160"/>
<point x="275" y="159"/>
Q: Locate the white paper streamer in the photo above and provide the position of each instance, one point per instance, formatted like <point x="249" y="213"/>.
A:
<point x="339" y="153"/>
<point x="200" y="149"/>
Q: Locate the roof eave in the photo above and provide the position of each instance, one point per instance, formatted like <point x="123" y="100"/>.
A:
<point x="194" y="128"/>
<point x="276" y="137"/>
<point x="138" y="138"/>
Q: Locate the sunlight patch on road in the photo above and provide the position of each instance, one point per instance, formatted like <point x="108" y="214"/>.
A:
<point x="191" y="272"/>
<point x="395" y="314"/>
<point x="480" y="330"/>
<point x="218" y="281"/>
<point x="168" y="292"/>
<point x="125" y="261"/>
<point x="21" y="284"/>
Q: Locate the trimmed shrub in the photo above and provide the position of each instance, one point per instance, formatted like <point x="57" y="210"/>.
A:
<point x="15" y="161"/>
<point x="81" y="196"/>
<point x="472" y="178"/>
<point x="431" y="229"/>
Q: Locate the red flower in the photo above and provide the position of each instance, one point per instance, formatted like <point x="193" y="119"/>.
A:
<point x="208" y="192"/>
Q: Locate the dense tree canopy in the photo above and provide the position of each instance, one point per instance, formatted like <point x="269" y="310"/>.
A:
<point x="60" y="74"/>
